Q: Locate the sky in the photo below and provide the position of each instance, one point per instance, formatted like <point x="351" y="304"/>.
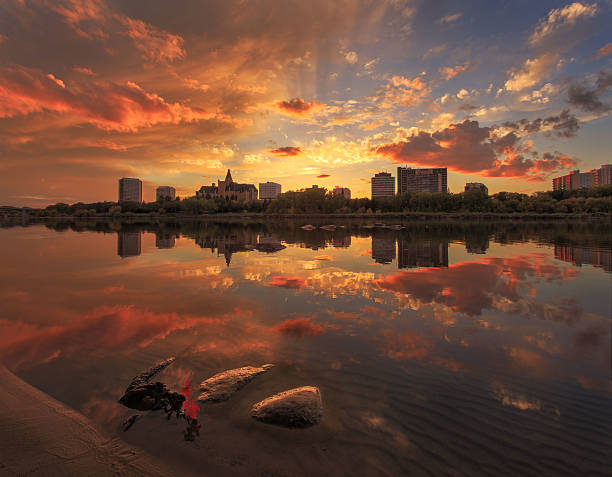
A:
<point x="508" y="93"/>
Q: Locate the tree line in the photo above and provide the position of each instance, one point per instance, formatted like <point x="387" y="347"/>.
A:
<point x="320" y="201"/>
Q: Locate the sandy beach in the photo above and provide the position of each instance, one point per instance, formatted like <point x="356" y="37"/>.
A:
<point x="41" y="436"/>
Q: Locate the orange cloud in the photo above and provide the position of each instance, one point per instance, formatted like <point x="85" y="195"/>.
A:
<point x="94" y="19"/>
<point x="604" y="51"/>
<point x="404" y="91"/>
<point x="110" y="106"/>
<point x="286" y="282"/>
<point x="298" y="107"/>
<point x="323" y="176"/>
<point x="299" y="327"/>
<point x="286" y="151"/>
<point x="155" y="44"/>
<point x="448" y="72"/>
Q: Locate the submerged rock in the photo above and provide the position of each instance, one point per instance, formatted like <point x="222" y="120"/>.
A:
<point x="299" y="407"/>
<point x="223" y="385"/>
<point x="329" y="228"/>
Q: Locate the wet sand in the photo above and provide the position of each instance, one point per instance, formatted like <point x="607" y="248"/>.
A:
<point x="41" y="436"/>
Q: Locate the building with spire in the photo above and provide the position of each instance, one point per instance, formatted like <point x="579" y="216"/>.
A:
<point x="229" y="190"/>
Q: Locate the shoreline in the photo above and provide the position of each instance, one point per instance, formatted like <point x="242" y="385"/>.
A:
<point x="412" y="216"/>
<point x="41" y="436"/>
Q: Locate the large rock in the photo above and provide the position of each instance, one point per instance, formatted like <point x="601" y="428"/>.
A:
<point x="145" y="376"/>
<point x="299" y="407"/>
<point x="146" y="396"/>
<point x="223" y="385"/>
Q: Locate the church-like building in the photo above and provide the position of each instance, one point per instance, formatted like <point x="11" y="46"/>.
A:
<point x="228" y="189"/>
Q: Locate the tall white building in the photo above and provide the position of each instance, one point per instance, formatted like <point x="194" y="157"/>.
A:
<point x="269" y="190"/>
<point x="130" y="189"/>
<point x="165" y="193"/>
<point x="383" y="185"/>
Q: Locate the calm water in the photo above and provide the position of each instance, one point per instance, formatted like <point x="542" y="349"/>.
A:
<point x="438" y="349"/>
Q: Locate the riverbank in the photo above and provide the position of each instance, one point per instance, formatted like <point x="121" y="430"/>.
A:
<point x="41" y="436"/>
<point x="372" y="217"/>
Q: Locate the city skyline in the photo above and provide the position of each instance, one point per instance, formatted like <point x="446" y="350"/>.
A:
<point x="510" y="95"/>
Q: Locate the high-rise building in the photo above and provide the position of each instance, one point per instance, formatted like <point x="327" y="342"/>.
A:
<point x="383" y="185"/>
<point x="604" y="175"/>
<point x="269" y="190"/>
<point x="343" y="191"/>
<point x="477" y="186"/>
<point x="165" y="193"/>
<point x="421" y="180"/>
<point x="130" y="189"/>
<point x="576" y="179"/>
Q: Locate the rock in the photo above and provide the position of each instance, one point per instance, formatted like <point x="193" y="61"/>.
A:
<point x="146" y="376"/>
<point x="308" y="227"/>
<point x="146" y="396"/>
<point x="223" y="385"/>
<point x="129" y="422"/>
<point x="329" y="228"/>
<point x="299" y="407"/>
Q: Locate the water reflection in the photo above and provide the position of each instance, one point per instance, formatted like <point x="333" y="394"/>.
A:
<point x="128" y="244"/>
<point x="479" y="327"/>
<point x="163" y="240"/>
<point x="423" y="254"/>
<point x="579" y="255"/>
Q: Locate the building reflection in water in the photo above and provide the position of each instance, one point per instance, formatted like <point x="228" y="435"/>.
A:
<point x="383" y="249"/>
<point x="164" y="240"/>
<point x="243" y="241"/>
<point x="128" y="244"/>
<point x="410" y="254"/>
<point x="422" y="254"/>
<point x="579" y="255"/>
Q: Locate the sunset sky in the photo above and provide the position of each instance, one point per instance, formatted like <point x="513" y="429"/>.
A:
<point x="509" y="93"/>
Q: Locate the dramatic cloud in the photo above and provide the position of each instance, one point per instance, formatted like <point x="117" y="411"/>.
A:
<point x="560" y="21"/>
<point x="94" y="19"/>
<point x="112" y="106"/>
<point x="298" y="107"/>
<point x="299" y="327"/>
<point x="323" y="176"/>
<point x="589" y="98"/>
<point x="467" y="147"/>
<point x="286" y="151"/>
<point x="532" y="72"/>
<point x="286" y="282"/>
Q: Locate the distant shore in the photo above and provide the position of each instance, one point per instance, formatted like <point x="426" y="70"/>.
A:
<point x="370" y="217"/>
